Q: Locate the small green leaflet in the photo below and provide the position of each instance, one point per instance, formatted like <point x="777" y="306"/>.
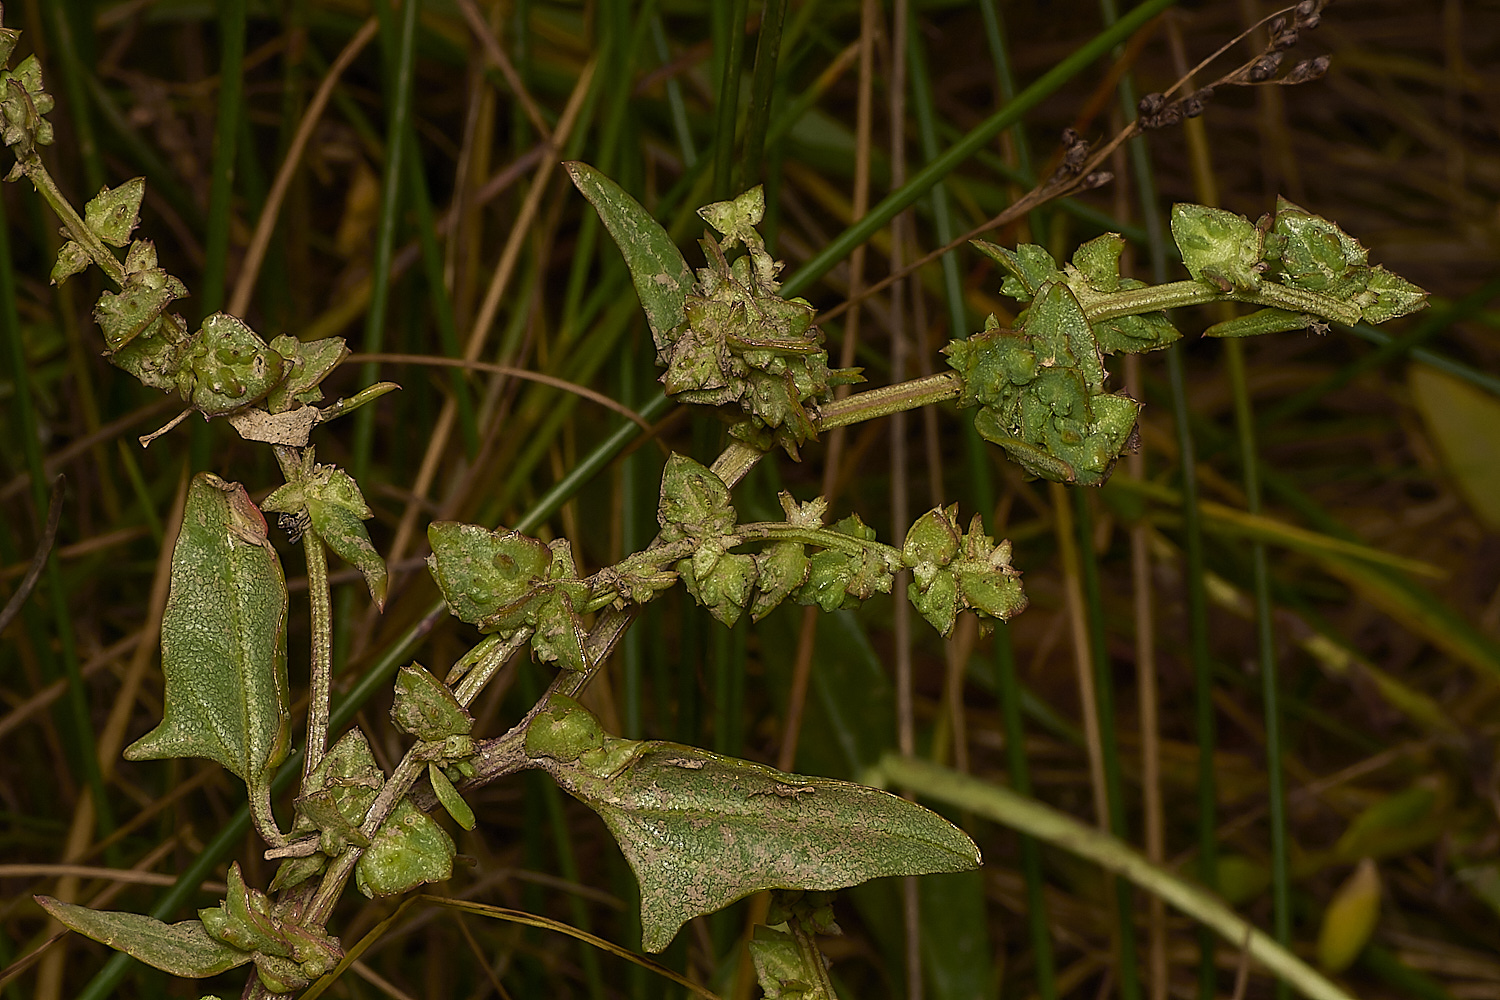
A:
<point x="701" y="830"/>
<point x="336" y="509"/>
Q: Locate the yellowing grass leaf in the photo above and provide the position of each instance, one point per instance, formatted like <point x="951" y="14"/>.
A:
<point x="1464" y="421"/>
<point x="1350" y="918"/>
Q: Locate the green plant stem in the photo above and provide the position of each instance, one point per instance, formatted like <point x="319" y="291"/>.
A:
<point x="812" y="960"/>
<point x="320" y="674"/>
<point x="320" y="681"/>
<point x="1176" y="294"/>
<point x="910" y="395"/>
<point x="78" y="232"/>
<point x="1045" y="823"/>
<point x="497" y="652"/>
<point x="1281" y="892"/>
<point x="825" y="538"/>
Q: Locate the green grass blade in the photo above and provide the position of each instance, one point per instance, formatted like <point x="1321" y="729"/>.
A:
<point x="1020" y="779"/>
<point x="398" y="42"/>
<point x="1114" y="785"/>
<point x="727" y="100"/>
<point x="762" y="85"/>
<point x="889" y="207"/>
<point x="226" y="136"/>
<point x="1281" y="888"/>
<point x="1047" y="824"/>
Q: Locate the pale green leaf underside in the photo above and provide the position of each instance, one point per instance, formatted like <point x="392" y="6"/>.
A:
<point x="223" y="640"/>
<point x="183" y="949"/>
<point x="702" y="831"/>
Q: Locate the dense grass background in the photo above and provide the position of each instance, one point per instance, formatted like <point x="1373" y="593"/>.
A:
<point x="417" y="188"/>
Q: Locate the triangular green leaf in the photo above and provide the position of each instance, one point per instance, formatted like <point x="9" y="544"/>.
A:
<point x="231" y="366"/>
<point x="481" y="572"/>
<point x="1389" y="295"/>
<point x="309" y="364"/>
<point x="701" y="830"/>
<point x="426" y="708"/>
<point x="410" y="849"/>
<point x="71" y="259"/>
<point x="113" y="213"/>
<point x="1219" y="247"/>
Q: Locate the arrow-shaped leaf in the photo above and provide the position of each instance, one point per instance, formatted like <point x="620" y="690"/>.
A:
<point x="702" y="831"/>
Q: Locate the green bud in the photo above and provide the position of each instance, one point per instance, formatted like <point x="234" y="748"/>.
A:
<point x="1219" y="247"/>
<point x="426" y="708"/>
<point x="564" y="731"/>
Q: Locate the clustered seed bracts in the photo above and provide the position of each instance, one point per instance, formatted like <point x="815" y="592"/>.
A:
<point x="1076" y="151"/>
<point x="1158" y="111"/>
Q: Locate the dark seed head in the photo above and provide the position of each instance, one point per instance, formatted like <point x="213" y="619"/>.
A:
<point x="1265" y="67"/>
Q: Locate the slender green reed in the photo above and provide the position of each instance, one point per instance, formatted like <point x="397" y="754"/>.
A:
<point x="727" y="100"/>
<point x="762" y="85"/>
<point x="397" y="43"/>
<point x="1269" y="668"/>
<point x="62" y="18"/>
<point x="76" y="725"/>
<point x="889" y="207"/>
<point x="1104" y="699"/>
<point x="437" y="290"/>
<point x="226" y="136"/>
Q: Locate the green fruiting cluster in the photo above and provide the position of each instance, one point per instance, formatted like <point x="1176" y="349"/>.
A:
<point x="222" y="369"/>
<point x="742" y="342"/>
<point x="335" y="797"/>
<point x="503" y="581"/>
<point x="288" y="955"/>
<point x="1040" y="385"/>
<point x="225" y="365"/>
<point x="953" y="571"/>
<point x="1310" y="267"/>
